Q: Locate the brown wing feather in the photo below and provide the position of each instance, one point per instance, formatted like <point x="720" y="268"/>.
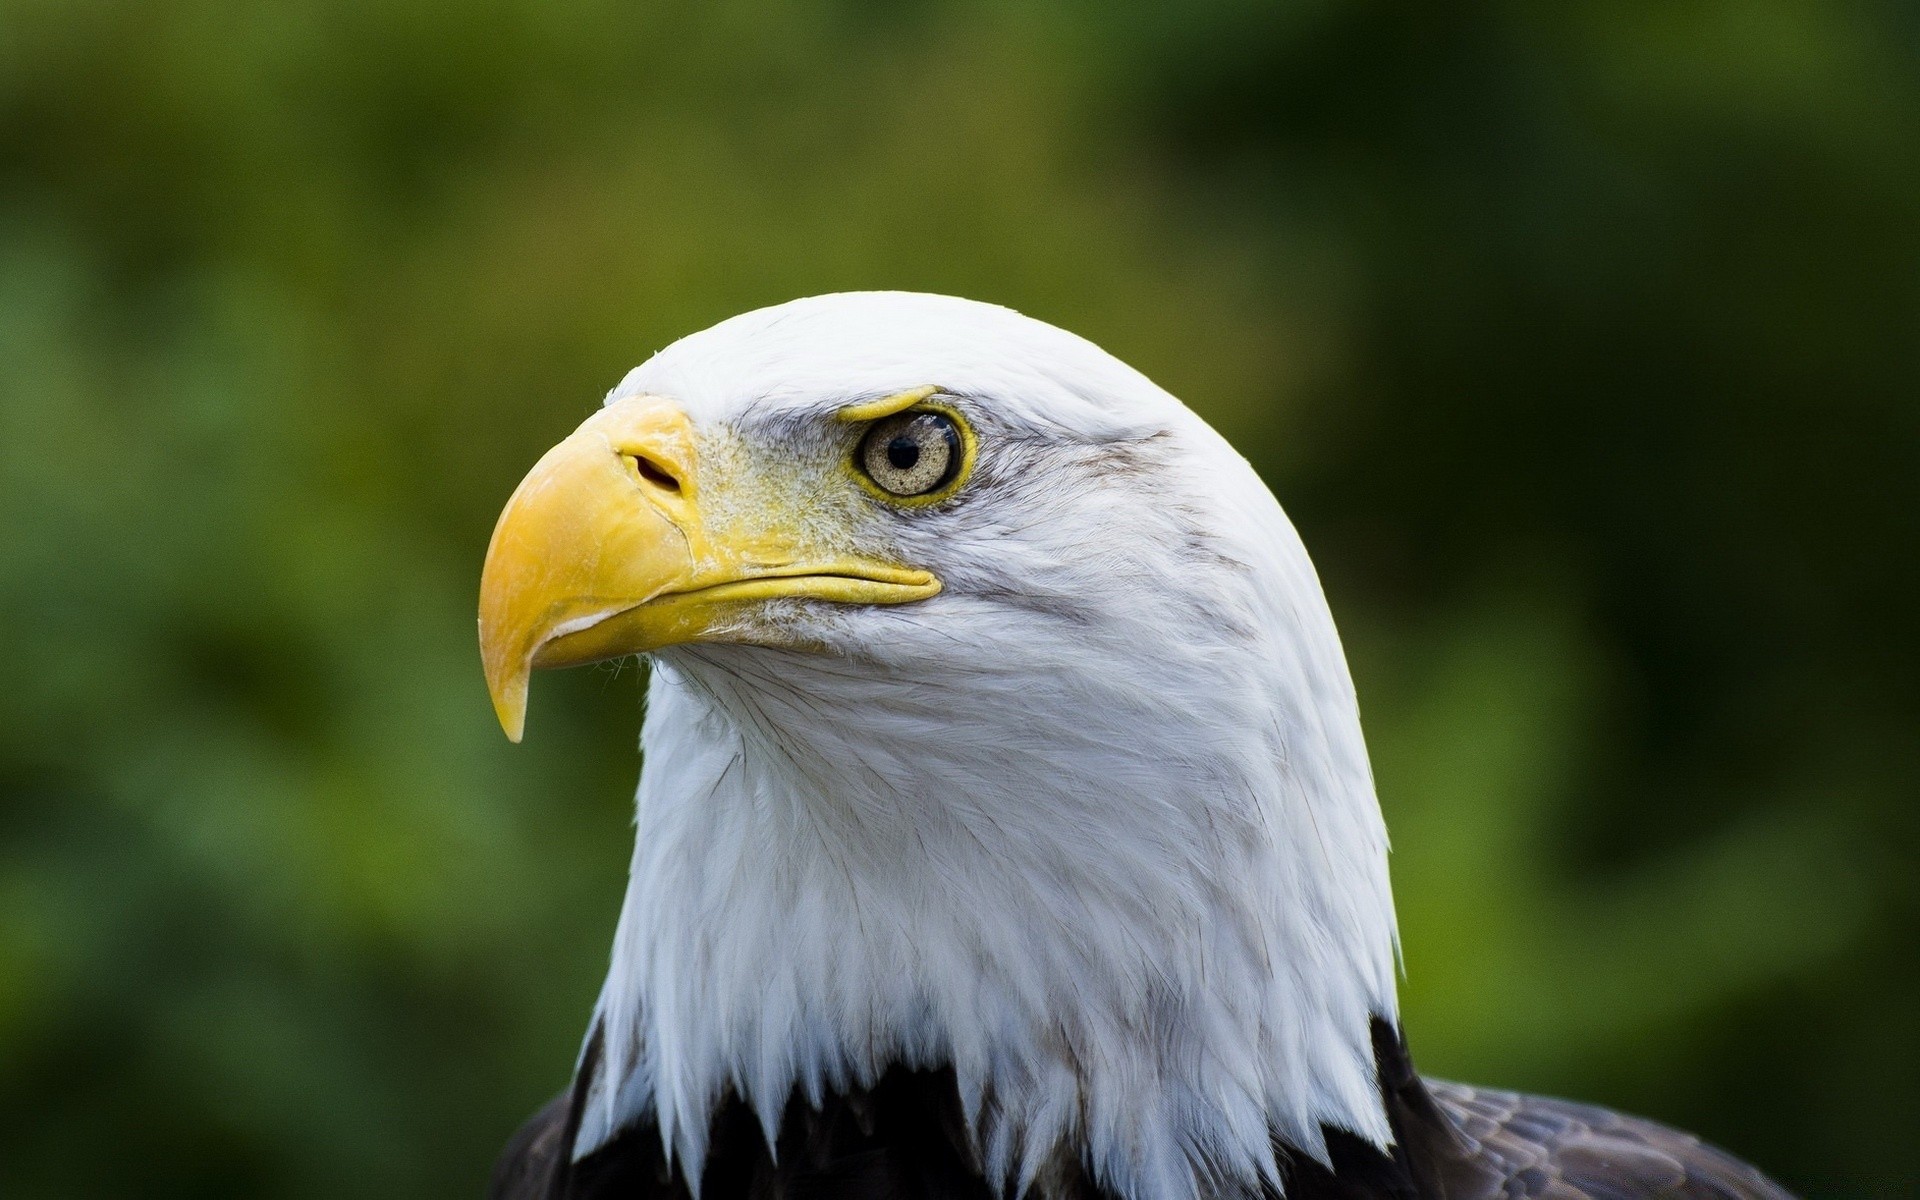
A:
<point x="1542" y="1149"/>
<point x="526" y="1167"/>
<point x="1464" y="1143"/>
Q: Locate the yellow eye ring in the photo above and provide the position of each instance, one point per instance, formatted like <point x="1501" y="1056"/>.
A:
<point x="914" y="457"/>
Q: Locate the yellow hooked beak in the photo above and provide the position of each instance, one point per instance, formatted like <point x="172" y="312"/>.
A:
<point x="602" y="552"/>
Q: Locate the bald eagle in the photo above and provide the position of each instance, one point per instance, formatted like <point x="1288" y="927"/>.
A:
<point x="1005" y="826"/>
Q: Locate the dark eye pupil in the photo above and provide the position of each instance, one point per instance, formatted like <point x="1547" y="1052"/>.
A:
<point x="903" y="452"/>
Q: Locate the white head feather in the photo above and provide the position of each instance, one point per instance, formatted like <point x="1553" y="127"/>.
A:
<point x="1094" y="825"/>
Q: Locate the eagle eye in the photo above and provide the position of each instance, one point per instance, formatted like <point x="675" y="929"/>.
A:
<point x="911" y="454"/>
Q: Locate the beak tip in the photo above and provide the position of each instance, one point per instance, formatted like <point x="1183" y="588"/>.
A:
<point x="508" y="689"/>
<point x="512" y="716"/>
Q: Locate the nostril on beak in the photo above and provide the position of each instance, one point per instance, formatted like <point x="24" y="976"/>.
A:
<point x="654" y="473"/>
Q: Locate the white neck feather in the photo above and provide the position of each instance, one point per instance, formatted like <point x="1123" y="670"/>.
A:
<point x="1131" y="885"/>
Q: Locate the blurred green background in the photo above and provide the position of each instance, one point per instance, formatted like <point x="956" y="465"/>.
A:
<point x="1580" y="339"/>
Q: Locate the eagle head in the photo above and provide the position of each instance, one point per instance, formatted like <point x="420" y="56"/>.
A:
<point x="996" y="722"/>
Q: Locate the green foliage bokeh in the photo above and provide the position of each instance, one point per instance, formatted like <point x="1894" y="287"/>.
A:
<point x="1579" y="339"/>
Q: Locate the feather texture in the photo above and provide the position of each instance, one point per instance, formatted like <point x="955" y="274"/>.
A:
<point x="905" y="1139"/>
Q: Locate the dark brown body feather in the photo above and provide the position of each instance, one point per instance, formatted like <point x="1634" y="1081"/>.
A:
<point x="904" y="1139"/>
